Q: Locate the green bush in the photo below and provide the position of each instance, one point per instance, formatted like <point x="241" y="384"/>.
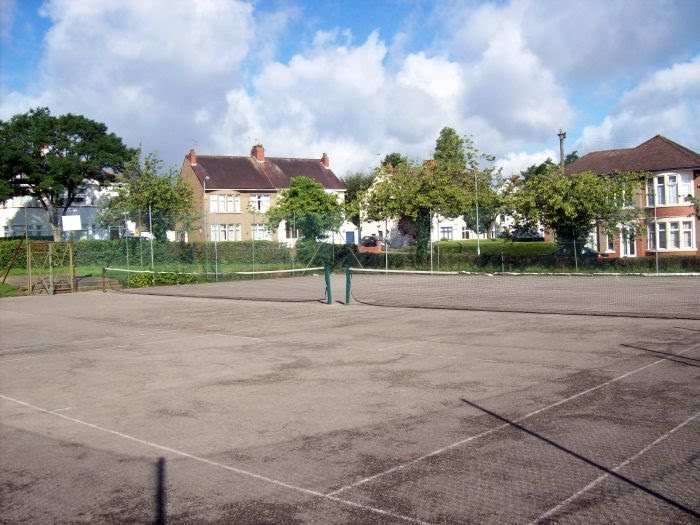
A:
<point x="498" y="247"/>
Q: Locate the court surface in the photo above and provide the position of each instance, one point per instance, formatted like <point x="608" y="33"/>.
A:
<point x="267" y="412"/>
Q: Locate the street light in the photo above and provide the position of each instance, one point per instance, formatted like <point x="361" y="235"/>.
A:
<point x="204" y="206"/>
<point x="476" y="191"/>
<point x="206" y="226"/>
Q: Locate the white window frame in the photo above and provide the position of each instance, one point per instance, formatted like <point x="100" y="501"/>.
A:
<point x="260" y="232"/>
<point x="260" y="202"/>
<point x="446" y="233"/>
<point x="465" y="232"/>
<point x="234" y="232"/>
<point x="225" y="203"/>
<point x="672" y="234"/>
<point x="669" y="189"/>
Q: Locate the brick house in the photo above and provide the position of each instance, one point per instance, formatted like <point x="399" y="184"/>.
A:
<point x="235" y="192"/>
<point x="671" y="225"/>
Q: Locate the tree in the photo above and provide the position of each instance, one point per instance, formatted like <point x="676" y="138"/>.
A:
<point x="538" y="169"/>
<point x="449" y="186"/>
<point x="50" y="157"/>
<point x="394" y="160"/>
<point x="570" y="204"/>
<point x="308" y="207"/>
<point x="571" y="157"/>
<point x="449" y="151"/>
<point x="411" y="193"/>
<point x="355" y="185"/>
<point x="143" y="186"/>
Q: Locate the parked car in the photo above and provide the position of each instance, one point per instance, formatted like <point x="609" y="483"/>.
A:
<point x="369" y="241"/>
<point x="583" y="253"/>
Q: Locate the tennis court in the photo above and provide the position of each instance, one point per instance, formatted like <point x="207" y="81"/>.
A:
<point x="136" y="408"/>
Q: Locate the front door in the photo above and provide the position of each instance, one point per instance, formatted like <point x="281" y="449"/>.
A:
<point x="628" y="242"/>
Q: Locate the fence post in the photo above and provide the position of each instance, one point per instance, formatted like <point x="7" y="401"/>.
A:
<point x="348" y="279"/>
<point x="329" y="295"/>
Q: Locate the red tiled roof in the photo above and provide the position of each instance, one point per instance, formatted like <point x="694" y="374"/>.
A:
<point x="246" y="173"/>
<point x="656" y="154"/>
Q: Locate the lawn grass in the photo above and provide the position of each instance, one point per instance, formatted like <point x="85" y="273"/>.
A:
<point x="8" y="290"/>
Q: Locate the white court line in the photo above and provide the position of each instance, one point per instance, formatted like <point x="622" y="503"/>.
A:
<point x="600" y="478"/>
<point x="209" y="462"/>
<point x="461" y="442"/>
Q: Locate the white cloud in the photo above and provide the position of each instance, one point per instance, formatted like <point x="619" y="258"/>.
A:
<point x="150" y="70"/>
<point x="171" y="74"/>
<point x="667" y="103"/>
<point x="515" y="162"/>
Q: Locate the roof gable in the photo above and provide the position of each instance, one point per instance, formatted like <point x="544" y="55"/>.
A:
<point x="274" y="173"/>
<point x="656" y="154"/>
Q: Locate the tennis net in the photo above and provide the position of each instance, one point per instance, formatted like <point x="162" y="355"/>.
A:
<point x="675" y="296"/>
<point x="299" y="285"/>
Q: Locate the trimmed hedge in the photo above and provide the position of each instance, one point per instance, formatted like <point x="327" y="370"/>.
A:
<point x="495" y="247"/>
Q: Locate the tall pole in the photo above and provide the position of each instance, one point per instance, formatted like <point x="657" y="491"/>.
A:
<point x="656" y="230"/>
<point x="150" y="227"/>
<point x="476" y="188"/>
<point x="206" y="234"/>
<point x="562" y="136"/>
<point x="431" y="239"/>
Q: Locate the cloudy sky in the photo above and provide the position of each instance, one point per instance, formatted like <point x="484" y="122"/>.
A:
<point x="359" y="78"/>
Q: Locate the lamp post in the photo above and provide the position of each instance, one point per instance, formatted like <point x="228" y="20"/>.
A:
<point x="206" y="226"/>
<point x="476" y="191"/>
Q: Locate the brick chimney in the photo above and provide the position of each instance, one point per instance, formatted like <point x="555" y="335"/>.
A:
<point x="258" y="153"/>
<point x="325" y="160"/>
<point x="193" y="157"/>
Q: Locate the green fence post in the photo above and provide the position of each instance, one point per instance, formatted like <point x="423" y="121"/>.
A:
<point x="329" y="295"/>
<point x="348" y="279"/>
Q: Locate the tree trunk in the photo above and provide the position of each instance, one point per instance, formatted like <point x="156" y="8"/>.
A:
<point x="56" y="232"/>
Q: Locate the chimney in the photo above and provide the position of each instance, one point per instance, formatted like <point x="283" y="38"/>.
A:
<point x="258" y="153"/>
<point x="325" y="160"/>
<point x="193" y="157"/>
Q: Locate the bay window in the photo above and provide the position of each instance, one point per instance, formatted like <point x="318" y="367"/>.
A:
<point x="671" y="235"/>
<point x="669" y="189"/>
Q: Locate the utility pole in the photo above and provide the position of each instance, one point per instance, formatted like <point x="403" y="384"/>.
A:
<point x="562" y="136"/>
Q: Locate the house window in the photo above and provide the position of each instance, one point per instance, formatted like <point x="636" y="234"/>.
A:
<point x="446" y="233"/>
<point x="234" y="232"/>
<point x="261" y="232"/>
<point x="687" y="234"/>
<point x="291" y="234"/>
<point x="669" y="189"/>
<point x="233" y="203"/>
<point x="465" y="232"/>
<point x="260" y="203"/>
<point x="671" y="235"/>
<point x="661" y="235"/>
<point x="225" y="232"/>
<point x="225" y="203"/>
<point x="610" y="247"/>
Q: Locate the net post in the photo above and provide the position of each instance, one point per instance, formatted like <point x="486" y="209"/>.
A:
<point x="348" y="279"/>
<point x="329" y="295"/>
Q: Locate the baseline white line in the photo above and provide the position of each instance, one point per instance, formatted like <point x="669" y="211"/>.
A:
<point x="461" y="442"/>
<point x="600" y="478"/>
<point x="209" y="462"/>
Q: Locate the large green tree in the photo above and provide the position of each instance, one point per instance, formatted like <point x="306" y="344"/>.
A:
<point x="145" y="185"/>
<point x="450" y="185"/>
<point x="308" y="207"/>
<point x="450" y="151"/>
<point x="50" y="157"/>
<point x="355" y="185"/>
<point x="570" y="205"/>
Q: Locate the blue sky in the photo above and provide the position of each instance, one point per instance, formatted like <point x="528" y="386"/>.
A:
<point x="358" y="79"/>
